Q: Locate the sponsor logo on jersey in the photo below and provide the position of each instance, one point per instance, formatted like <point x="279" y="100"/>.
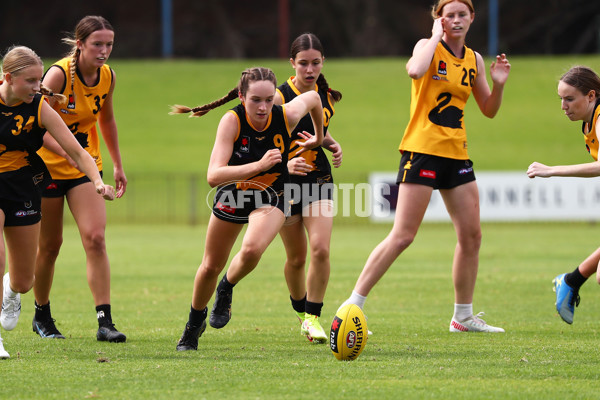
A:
<point x="23" y="213"/>
<point x="442" y="68"/>
<point x="425" y="173"/>
<point x="62" y="110"/>
<point x="245" y="145"/>
<point x="71" y="104"/>
<point x="224" y="208"/>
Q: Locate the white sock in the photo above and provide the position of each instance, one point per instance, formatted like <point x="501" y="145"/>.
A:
<point x="355" y="298"/>
<point x="462" y="311"/>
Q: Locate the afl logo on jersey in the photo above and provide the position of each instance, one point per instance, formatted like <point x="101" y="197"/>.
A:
<point x="245" y="144"/>
<point x="442" y="68"/>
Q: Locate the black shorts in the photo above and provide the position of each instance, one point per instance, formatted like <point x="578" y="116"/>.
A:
<point x="60" y="187"/>
<point x="21" y="213"/>
<point x="303" y="192"/>
<point x="436" y="172"/>
<point x="234" y="205"/>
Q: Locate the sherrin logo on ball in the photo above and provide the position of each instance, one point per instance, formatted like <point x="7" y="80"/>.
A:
<point x="348" y="335"/>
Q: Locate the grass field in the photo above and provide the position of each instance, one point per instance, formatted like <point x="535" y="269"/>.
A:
<point x="261" y="354"/>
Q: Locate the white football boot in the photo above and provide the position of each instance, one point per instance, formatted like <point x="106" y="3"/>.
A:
<point x="3" y="353"/>
<point x="473" y="324"/>
<point x="11" y="306"/>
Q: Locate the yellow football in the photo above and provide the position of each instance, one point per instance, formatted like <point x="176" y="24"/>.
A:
<point x="348" y="335"/>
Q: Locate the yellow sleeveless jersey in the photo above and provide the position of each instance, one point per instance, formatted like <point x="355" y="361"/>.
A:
<point x="80" y="114"/>
<point x="438" y="99"/>
<point x="591" y="136"/>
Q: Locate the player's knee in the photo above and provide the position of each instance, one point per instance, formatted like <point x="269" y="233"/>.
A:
<point x="250" y="253"/>
<point x="50" y="248"/>
<point x="320" y="253"/>
<point x="296" y="262"/>
<point x="95" y="241"/>
<point x="400" y="242"/>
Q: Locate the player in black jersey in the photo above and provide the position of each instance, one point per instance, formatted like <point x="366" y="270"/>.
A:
<point x="579" y="91"/>
<point x="24" y="118"/>
<point x="312" y="185"/>
<point x="247" y="164"/>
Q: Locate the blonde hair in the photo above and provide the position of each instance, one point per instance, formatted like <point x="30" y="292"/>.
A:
<point x="436" y="10"/>
<point x="18" y="58"/>
<point x="248" y="75"/>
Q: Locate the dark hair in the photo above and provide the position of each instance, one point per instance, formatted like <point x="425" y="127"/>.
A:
<point x="308" y="41"/>
<point x="84" y="28"/>
<point x="583" y="79"/>
<point x="249" y="75"/>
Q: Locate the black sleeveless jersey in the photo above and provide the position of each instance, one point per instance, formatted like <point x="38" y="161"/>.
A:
<point x="316" y="157"/>
<point x="251" y="145"/>
<point x="22" y="171"/>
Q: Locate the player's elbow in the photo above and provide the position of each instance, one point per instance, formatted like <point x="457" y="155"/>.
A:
<point x="414" y="71"/>
<point x="211" y="179"/>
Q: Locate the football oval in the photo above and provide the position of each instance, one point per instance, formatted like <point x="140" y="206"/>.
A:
<point x="348" y="335"/>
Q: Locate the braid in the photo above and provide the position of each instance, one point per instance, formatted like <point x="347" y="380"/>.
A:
<point x="322" y="82"/>
<point x="201" y="110"/>
<point x="61" y="98"/>
<point x="73" y="69"/>
<point x="249" y="75"/>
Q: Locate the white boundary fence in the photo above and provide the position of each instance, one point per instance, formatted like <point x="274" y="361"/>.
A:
<point x="504" y="196"/>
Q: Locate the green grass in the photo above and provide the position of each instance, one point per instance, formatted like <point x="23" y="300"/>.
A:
<point x="261" y="353"/>
<point x="166" y="156"/>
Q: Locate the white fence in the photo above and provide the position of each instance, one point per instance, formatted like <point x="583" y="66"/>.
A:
<point x="504" y="196"/>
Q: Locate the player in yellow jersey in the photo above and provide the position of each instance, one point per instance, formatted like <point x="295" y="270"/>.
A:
<point x="89" y="84"/>
<point x="434" y="155"/>
<point x="24" y="120"/>
<point x="579" y="91"/>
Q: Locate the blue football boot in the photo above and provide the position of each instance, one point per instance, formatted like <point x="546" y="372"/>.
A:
<point x="567" y="298"/>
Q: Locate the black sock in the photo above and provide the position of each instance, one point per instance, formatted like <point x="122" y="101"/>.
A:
<point x="299" y="305"/>
<point x="196" y="317"/>
<point x="225" y="285"/>
<point x="575" y="279"/>
<point x="103" y="315"/>
<point x="314" y="308"/>
<point x="42" y="313"/>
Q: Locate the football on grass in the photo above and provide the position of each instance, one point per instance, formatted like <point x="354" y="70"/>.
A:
<point x="348" y="335"/>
